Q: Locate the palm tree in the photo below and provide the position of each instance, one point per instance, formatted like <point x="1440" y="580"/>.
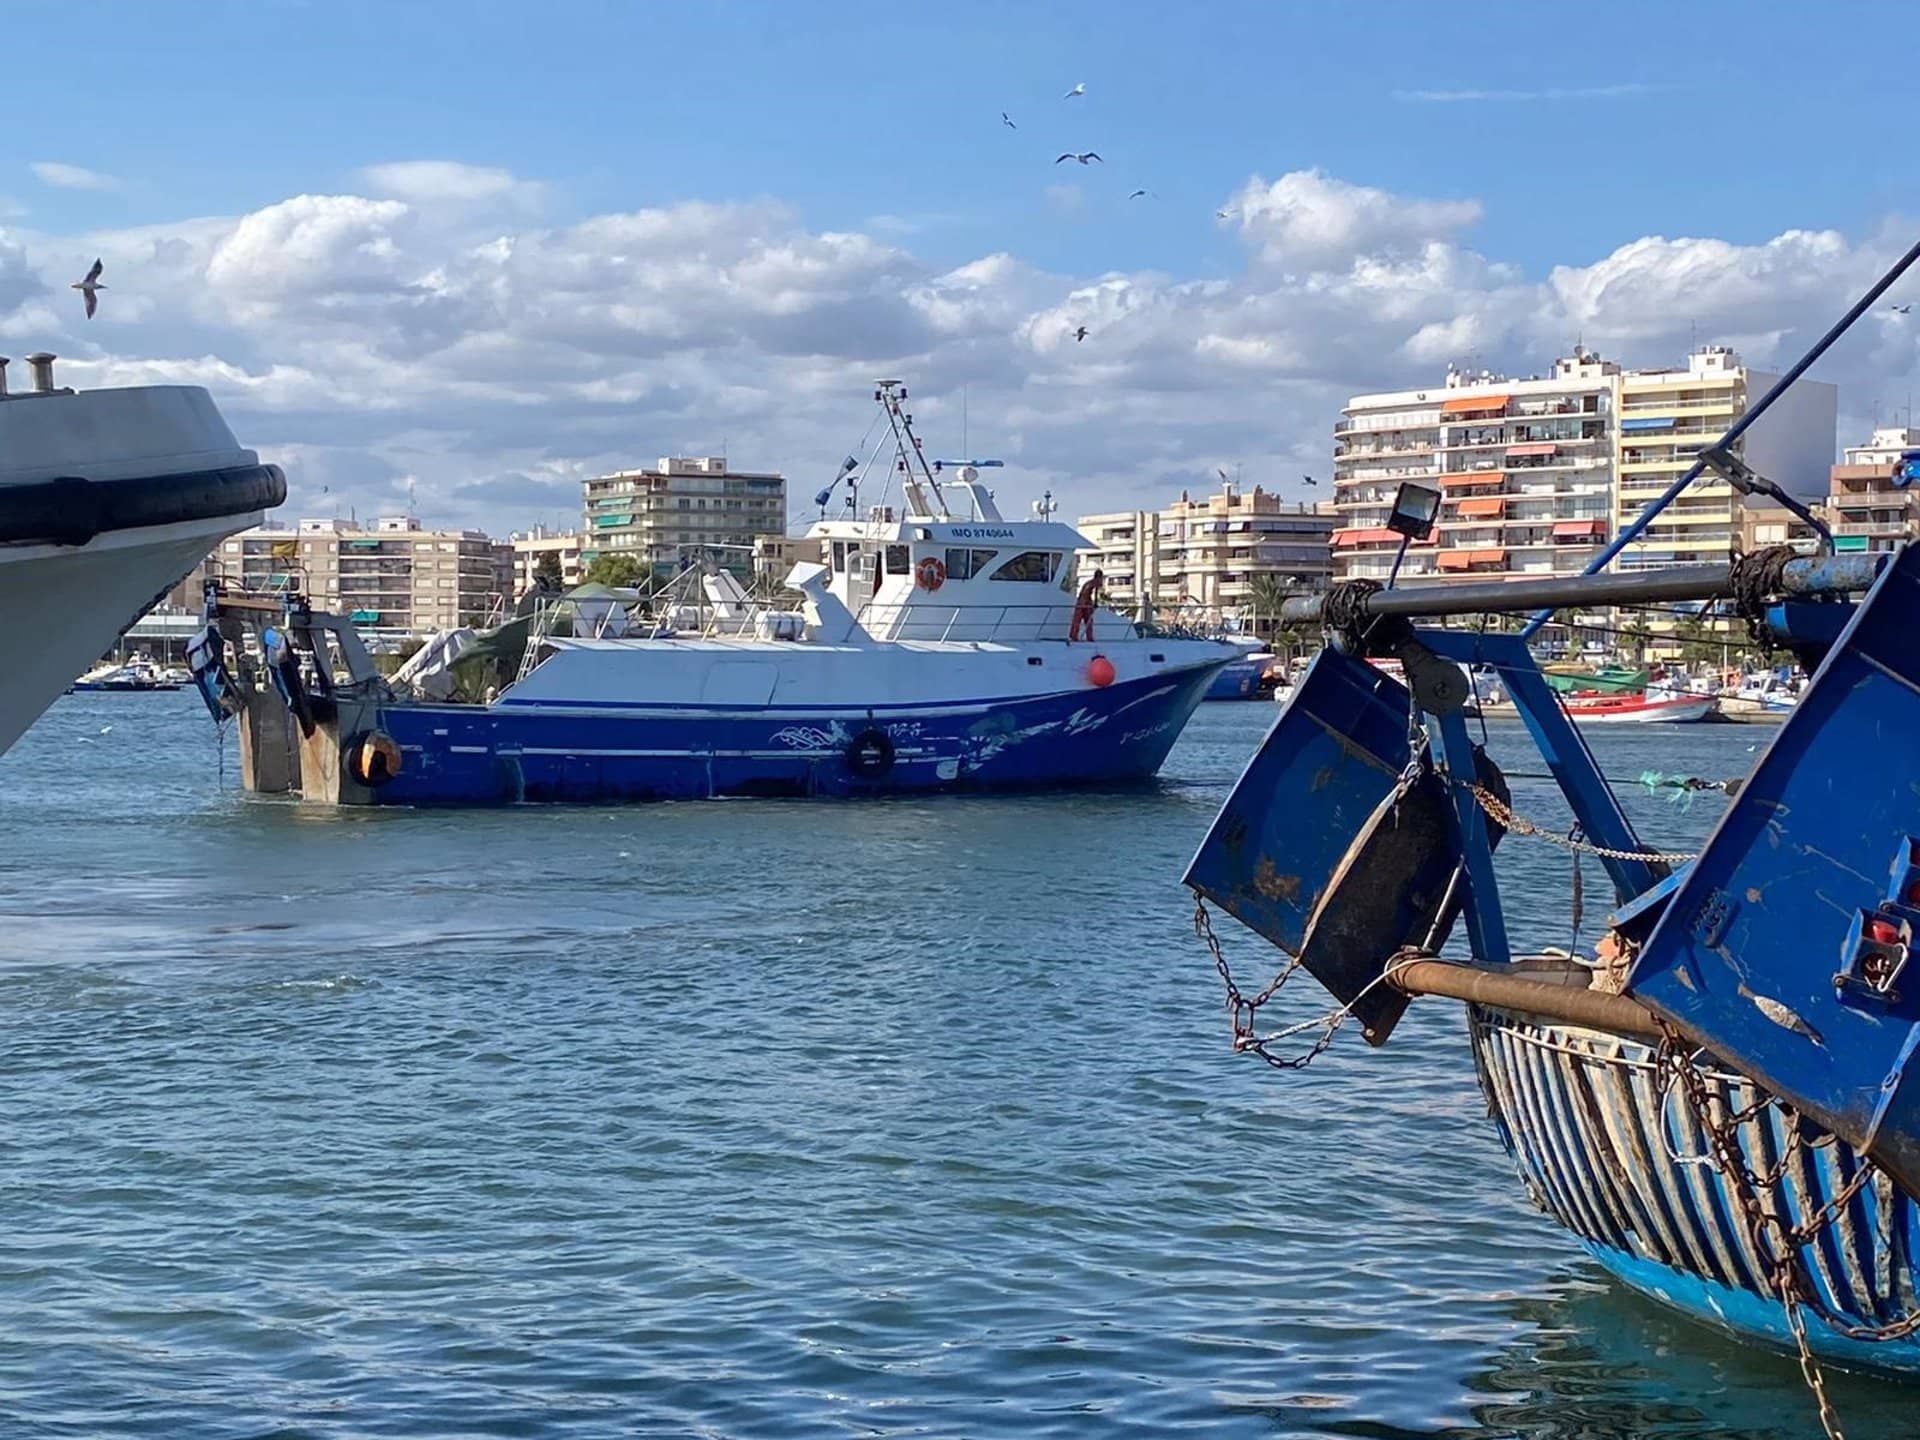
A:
<point x="1267" y="592"/>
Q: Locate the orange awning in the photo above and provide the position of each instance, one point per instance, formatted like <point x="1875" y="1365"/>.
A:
<point x="1462" y="479"/>
<point x="1486" y="557"/>
<point x="1579" y="527"/>
<point x="1453" y="559"/>
<point x="1469" y="405"/>
<point x="1537" y="447"/>
<point x="1478" y="506"/>
<point x="1364" y="537"/>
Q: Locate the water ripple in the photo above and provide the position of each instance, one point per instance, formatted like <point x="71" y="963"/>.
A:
<point x="912" y="1118"/>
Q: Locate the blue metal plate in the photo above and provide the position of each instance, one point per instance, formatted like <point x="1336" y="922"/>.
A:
<point x="1748" y="956"/>
<point x="1308" y="853"/>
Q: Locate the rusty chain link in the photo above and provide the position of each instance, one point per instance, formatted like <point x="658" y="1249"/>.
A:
<point x="1502" y="814"/>
<point x="1779" y="1243"/>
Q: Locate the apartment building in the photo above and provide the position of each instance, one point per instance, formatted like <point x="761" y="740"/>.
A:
<point x="1125" y="548"/>
<point x="1865" y="509"/>
<point x="393" y="575"/>
<point x="1208" y="551"/>
<point x="530" y="549"/>
<point x="684" y="507"/>
<point x="1524" y="467"/>
<point x="1667" y="416"/>
<point x="1537" y="474"/>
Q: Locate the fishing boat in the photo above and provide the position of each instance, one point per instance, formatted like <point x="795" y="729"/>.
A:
<point x="939" y="646"/>
<point x="1245" y="677"/>
<point x="1647" y="708"/>
<point x="1615" y="679"/>
<point x="1722" y="1100"/>
<point x="136" y="675"/>
<point x="107" y="498"/>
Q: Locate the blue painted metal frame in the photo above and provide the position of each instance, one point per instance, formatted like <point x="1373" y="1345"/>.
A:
<point x="1560" y="745"/>
<point x="1750" y="958"/>
<point x="1486" y="922"/>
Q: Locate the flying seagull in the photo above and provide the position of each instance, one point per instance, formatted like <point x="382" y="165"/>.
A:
<point x="1079" y="89"/>
<point x="1083" y="157"/>
<point x="1901" y="309"/>
<point x="89" y="286"/>
<point x="1007" y="120"/>
<point x="1080" y="334"/>
<point x="1309" y="480"/>
<point x="1134" y="196"/>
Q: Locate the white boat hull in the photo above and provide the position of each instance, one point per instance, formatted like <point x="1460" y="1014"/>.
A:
<point x="67" y="605"/>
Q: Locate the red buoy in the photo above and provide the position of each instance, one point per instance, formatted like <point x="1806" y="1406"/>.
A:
<point x="1100" y="671"/>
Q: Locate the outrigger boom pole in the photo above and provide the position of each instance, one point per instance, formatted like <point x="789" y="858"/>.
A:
<point x="1813" y="575"/>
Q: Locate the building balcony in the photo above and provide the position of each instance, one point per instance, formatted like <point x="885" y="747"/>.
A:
<point x="1873" y="527"/>
<point x="1647" y="406"/>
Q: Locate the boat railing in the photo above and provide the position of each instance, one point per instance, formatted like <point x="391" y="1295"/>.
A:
<point x="1005" y="624"/>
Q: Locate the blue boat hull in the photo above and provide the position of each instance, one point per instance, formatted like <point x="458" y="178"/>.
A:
<point x="1239" y="680"/>
<point x="1608" y="1156"/>
<point x="506" y="753"/>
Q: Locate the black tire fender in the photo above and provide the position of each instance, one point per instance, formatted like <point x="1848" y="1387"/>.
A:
<point x="870" y="754"/>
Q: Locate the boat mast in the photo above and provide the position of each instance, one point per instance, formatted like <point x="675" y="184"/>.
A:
<point x="916" y="476"/>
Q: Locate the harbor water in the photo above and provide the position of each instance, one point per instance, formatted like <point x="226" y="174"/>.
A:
<point x="911" y="1117"/>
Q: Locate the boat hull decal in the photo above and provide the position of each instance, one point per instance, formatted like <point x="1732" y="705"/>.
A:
<point x="472" y="755"/>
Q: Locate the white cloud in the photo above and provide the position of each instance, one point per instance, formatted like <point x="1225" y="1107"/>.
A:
<point x="427" y="181"/>
<point x="72" y="177"/>
<point x="1313" y="220"/>
<point x="1624" y="91"/>
<point x="496" y="359"/>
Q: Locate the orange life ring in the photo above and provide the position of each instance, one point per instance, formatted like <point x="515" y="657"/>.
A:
<point x="930" y="574"/>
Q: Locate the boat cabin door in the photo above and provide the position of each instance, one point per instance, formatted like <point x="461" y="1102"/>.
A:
<point x="863" y="579"/>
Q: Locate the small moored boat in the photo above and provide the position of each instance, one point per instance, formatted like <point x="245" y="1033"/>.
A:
<point x="1646" y="709"/>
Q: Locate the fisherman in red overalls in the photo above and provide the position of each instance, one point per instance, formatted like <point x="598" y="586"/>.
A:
<point x="1083" y="608"/>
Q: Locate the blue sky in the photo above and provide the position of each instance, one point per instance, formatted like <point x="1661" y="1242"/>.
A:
<point x="1554" y="136"/>
<point x="1732" y="120"/>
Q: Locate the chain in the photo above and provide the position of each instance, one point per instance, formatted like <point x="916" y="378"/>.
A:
<point x="1243" y="1009"/>
<point x="1503" y="815"/>
<point x="1779" y="1244"/>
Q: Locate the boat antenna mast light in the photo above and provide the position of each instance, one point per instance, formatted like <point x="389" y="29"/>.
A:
<point x="916" y="476"/>
<point x="1046" y="507"/>
<point x="1415" y="508"/>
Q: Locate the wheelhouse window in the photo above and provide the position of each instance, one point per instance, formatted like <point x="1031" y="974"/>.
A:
<point x="1030" y="565"/>
<point x="898" y="562"/>
<point x="965" y="564"/>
